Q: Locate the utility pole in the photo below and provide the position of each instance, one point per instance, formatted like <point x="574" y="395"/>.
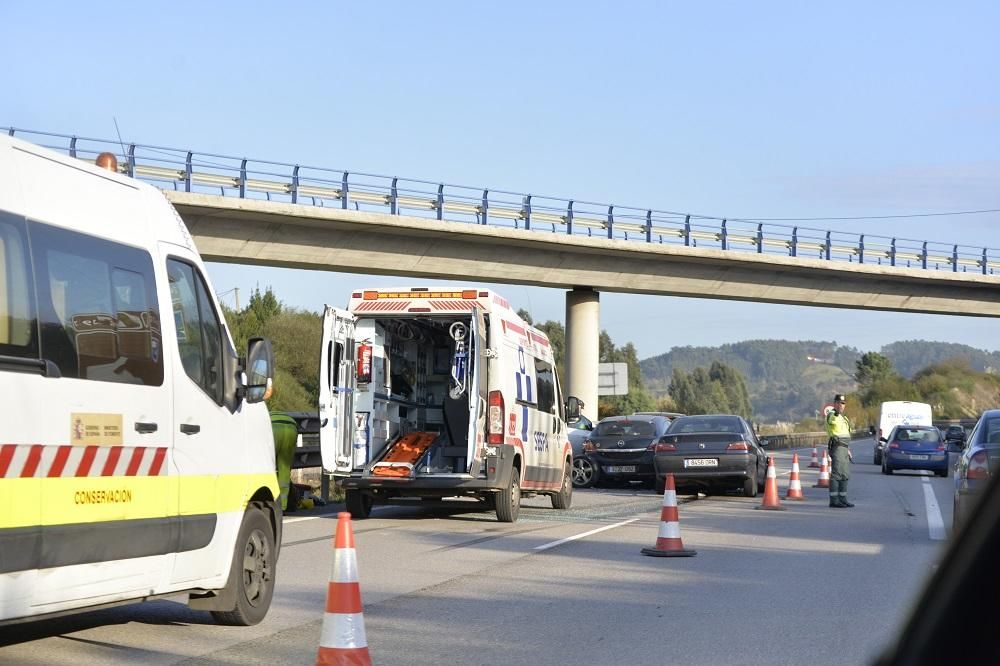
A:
<point x="237" y="290"/>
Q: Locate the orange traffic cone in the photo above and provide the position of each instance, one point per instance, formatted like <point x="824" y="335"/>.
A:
<point x="668" y="541"/>
<point x="794" y="484"/>
<point x="815" y="461"/>
<point x="342" y="641"/>
<point x="771" y="501"/>
<point x="824" y="475"/>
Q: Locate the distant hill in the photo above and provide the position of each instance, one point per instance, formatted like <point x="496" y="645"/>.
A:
<point x="911" y="356"/>
<point x="790" y="380"/>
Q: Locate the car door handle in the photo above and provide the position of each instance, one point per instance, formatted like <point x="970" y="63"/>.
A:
<point x="145" y="428"/>
<point x="190" y="428"/>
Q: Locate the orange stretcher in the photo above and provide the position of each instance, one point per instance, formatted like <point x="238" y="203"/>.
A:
<point x="404" y="454"/>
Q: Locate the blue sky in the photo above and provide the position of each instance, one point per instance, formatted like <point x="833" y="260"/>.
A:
<point x="738" y="109"/>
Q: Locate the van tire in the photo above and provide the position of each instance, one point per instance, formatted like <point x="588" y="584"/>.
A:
<point x="564" y="498"/>
<point x="254" y="586"/>
<point x="509" y="499"/>
<point x="358" y="503"/>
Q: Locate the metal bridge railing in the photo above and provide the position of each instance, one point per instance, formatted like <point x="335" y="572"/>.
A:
<point x="188" y="171"/>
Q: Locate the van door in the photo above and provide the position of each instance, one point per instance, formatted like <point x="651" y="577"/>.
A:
<point x="478" y="390"/>
<point x="205" y="463"/>
<point x="336" y="390"/>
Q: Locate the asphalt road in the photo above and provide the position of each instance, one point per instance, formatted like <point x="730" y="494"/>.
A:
<point x="808" y="584"/>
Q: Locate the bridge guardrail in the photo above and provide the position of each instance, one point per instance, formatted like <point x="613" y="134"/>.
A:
<point x="800" y="440"/>
<point x="209" y="173"/>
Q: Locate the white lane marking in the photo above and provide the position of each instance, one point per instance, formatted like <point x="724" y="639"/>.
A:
<point x="553" y="544"/>
<point x="935" y="523"/>
<point x="299" y="519"/>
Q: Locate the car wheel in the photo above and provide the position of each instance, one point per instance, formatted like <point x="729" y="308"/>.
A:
<point x="876" y="460"/>
<point x="509" y="499"/>
<point x="563" y="498"/>
<point x="761" y="479"/>
<point x="750" y="485"/>
<point x="252" y="571"/>
<point x="942" y="472"/>
<point x="358" y="503"/>
<point x="885" y="467"/>
<point x="584" y="472"/>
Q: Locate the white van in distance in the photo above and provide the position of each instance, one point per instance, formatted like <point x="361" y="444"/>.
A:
<point x="432" y="393"/>
<point x="136" y="454"/>
<point x="898" y="412"/>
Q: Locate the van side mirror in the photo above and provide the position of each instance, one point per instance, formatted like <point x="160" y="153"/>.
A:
<point x="573" y="407"/>
<point x="258" y="375"/>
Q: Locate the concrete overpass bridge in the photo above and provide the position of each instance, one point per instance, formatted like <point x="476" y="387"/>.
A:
<point x="265" y="213"/>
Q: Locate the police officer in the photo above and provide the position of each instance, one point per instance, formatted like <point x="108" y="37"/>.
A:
<point x="838" y="427"/>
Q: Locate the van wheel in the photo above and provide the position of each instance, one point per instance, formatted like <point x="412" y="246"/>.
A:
<point x="358" y="503"/>
<point x="563" y="498"/>
<point x="251" y="573"/>
<point x="509" y="499"/>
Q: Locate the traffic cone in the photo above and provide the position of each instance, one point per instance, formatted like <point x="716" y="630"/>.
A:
<point x="824" y="475"/>
<point x="342" y="640"/>
<point x="771" y="501"/>
<point x="668" y="541"/>
<point x="815" y="461"/>
<point x="794" y="485"/>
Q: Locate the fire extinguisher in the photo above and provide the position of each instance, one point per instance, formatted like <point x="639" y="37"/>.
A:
<point x="364" y="367"/>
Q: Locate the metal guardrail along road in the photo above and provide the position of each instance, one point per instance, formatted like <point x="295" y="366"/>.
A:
<point x="184" y="170"/>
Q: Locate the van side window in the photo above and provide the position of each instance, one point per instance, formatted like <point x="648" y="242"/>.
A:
<point x="545" y="380"/>
<point x="97" y="308"/>
<point x="17" y="311"/>
<point x="199" y="334"/>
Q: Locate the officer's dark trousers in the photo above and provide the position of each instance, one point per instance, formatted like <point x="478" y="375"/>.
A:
<point x="839" y="473"/>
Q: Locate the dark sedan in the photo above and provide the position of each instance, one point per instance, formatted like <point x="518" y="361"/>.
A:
<point x="620" y="448"/>
<point x="915" y="447"/>
<point x="978" y="463"/>
<point x="711" y="452"/>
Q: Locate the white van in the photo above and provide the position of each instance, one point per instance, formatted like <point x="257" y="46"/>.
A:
<point x="894" y="413"/>
<point x="136" y="458"/>
<point x="432" y="393"/>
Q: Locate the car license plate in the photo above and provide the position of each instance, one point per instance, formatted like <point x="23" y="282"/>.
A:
<point x="618" y="469"/>
<point x="701" y="462"/>
<point x="916" y="457"/>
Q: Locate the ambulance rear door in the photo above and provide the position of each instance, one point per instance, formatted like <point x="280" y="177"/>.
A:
<point x="478" y="389"/>
<point x="336" y="391"/>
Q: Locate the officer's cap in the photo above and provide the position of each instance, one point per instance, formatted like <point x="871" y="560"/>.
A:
<point x="839" y="398"/>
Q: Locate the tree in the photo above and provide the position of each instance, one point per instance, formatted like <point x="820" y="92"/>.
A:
<point x="719" y="390"/>
<point x="872" y="367"/>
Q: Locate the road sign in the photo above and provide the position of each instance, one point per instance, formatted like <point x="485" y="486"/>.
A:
<point x="612" y="379"/>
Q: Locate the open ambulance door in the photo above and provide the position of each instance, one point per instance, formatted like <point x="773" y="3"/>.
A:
<point x="336" y="392"/>
<point x="478" y="393"/>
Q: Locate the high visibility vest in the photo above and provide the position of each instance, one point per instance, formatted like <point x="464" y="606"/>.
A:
<point x="837" y="425"/>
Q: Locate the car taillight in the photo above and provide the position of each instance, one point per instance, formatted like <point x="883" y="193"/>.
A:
<point x="495" y="418"/>
<point x="941" y="446"/>
<point x="738" y="446"/>
<point x="588" y="445"/>
<point x="664" y="447"/>
<point x="894" y="445"/>
<point x="979" y="467"/>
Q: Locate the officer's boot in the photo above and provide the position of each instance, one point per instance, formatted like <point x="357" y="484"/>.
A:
<point x="835" y="494"/>
<point x="843" y="494"/>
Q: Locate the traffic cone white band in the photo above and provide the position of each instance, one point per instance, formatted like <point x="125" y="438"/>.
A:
<point x="344" y="631"/>
<point x="669" y="531"/>
<point x="669" y="498"/>
<point x="345" y="565"/>
<point x="795" y="484"/>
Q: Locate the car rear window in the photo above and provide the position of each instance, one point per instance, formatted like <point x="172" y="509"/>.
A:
<point x="624" y="429"/>
<point x="991" y="432"/>
<point x="917" y="435"/>
<point x="704" y="424"/>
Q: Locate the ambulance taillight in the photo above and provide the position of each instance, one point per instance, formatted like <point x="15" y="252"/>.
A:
<point x="494" y="418"/>
<point x="364" y="363"/>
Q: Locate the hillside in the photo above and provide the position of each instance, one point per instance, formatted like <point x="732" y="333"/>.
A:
<point x="790" y="380"/>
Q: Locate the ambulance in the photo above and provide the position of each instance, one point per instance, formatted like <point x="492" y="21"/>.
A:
<point x="136" y="454"/>
<point x="428" y="393"/>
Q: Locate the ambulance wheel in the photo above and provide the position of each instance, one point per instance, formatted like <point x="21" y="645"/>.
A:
<point x="251" y="573"/>
<point x="358" y="503"/>
<point x="563" y="498"/>
<point x="509" y="499"/>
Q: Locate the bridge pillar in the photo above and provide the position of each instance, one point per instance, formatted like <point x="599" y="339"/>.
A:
<point x="583" y="323"/>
